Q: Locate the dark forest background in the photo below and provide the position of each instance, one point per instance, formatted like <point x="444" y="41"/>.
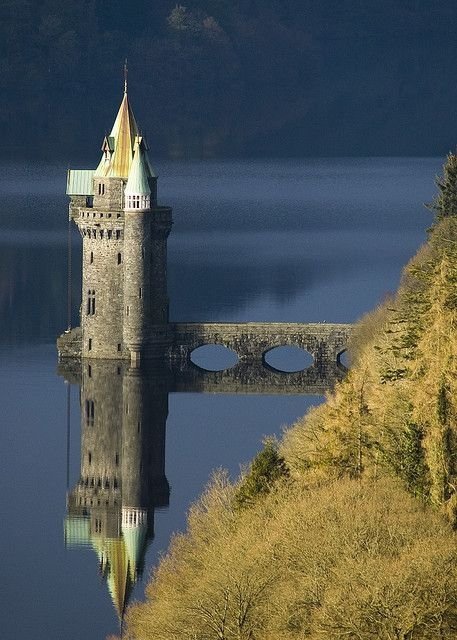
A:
<point x="230" y="77"/>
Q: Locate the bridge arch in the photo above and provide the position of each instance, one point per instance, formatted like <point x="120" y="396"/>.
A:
<point x="287" y="358"/>
<point x="342" y="360"/>
<point x="213" y="357"/>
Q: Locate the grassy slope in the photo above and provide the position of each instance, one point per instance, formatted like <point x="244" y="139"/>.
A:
<point x="341" y="537"/>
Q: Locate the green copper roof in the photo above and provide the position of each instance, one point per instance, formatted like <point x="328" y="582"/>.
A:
<point x="138" y="183"/>
<point x="80" y="182"/>
<point x="135" y="543"/>
<point x="77" y="531"/>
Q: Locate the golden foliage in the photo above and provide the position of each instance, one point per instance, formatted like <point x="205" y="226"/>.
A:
<point x="349" y="559"/>
<point x="350" y="545"/>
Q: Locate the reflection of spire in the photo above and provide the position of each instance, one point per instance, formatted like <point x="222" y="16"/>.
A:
<point x="111" y="509"/>
<point x="120" y="582"/>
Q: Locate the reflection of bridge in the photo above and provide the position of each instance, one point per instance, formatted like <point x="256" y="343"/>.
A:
<point x="255" y="378"/>
<point x="185" y="377"/>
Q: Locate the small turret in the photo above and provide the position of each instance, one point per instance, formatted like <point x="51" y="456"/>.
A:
<point x="141" y="188"/>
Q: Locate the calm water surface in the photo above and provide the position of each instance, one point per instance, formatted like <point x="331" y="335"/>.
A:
<point x="303" y="241"/>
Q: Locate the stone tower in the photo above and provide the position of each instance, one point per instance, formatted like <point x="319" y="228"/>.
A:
<point x="124" y="311"/>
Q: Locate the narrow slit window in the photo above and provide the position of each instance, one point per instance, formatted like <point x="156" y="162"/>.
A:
<point x="140" y="292"/>
<point x="91" y="257"/>
<point x="90" y="302"/>
<point x="119" y="258"/>
<point x="90" y="416"/>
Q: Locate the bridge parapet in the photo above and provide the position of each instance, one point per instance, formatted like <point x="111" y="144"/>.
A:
<point x="251" y="341"/>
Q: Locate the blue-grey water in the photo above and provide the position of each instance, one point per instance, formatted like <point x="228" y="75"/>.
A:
<point x="298" y="240"/>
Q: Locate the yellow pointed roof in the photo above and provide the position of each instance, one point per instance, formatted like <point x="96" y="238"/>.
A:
<point x="117" y="163"/>
<point x="119" y="579"/>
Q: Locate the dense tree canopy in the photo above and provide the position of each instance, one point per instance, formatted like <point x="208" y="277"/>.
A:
<point x="213" y="77"/>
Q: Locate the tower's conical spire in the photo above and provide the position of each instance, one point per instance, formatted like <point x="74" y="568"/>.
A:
<point x="119" y="145"/>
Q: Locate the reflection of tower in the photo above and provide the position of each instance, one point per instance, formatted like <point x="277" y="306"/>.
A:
<point x="123" y="420"/>
<point x="124" y="311"/>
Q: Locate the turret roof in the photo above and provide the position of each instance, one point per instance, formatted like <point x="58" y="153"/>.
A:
<point x="117" y="160"/>
<point x="140" y="171"/>
<point x="135" y="545"/>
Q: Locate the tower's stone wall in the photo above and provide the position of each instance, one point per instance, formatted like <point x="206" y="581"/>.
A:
<point x="124" y="305"/>
<point x="137" y="285"/>
<point x="102" y="230"/>
<point x="109" y="193"/>
<point x="145" y="281"/>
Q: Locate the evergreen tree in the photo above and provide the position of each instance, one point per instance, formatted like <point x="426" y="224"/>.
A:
<point x="445" y="203"/>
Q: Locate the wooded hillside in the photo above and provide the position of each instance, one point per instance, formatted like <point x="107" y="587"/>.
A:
<point x="224" y="77"/>
<point x="345" y="528"/>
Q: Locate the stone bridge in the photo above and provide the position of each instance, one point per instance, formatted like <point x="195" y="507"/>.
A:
<point x="251" y="341"/>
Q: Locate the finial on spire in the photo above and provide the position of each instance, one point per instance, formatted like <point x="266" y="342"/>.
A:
<point x="125" y="75"/>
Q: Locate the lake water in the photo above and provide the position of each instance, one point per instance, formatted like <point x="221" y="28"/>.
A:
<point x="290" y="240"/>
